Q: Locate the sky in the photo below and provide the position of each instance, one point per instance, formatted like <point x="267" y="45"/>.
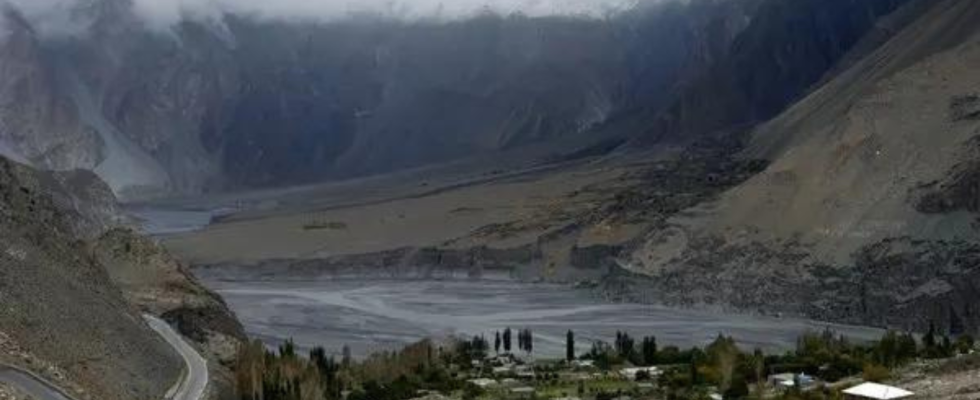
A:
<point x="54" y="14"/>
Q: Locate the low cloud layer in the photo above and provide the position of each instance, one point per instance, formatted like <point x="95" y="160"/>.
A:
<point x="164" y="12"/>
<point x="57" y="16"/>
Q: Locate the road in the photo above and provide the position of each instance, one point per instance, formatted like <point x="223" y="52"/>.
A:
<point x="32" y="385"/>
<point x="192" y="385"/>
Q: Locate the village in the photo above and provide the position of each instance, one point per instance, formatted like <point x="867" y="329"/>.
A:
<point x="823" y="365"/>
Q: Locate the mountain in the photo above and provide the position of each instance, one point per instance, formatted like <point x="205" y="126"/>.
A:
<point x="867" y="210"/>
<point x="842" y="187"/>
<point x="62" y="315"/>
<point x="786" y="49"/>
<point x="75" y="281"/>
<point x="245" y="102"/>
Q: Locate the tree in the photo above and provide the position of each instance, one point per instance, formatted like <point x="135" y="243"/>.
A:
<point x="287" y="349"/>
<point x="496" y="343"/>
<point x="570" y="346"/>
<point x="696" y="356"/>
<point x="723" y="354"/>
<point x="739" y="388"/>
<point x="929" y="340"/>
<point x="964" y="344"/>
<point x="759" y="368"/>
<point x="649" y="350"/>
<point x="529" y="342"/>
<point x="507" y="334"/>
<point x="520" y="340"/>
<point x="624" y="345"/>
<point x="946" y="349"/>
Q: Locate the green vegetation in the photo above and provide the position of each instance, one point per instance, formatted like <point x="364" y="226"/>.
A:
<point x="604" y="372"/>
<point x="570" y="346"/>
<point x="320" y="224"/>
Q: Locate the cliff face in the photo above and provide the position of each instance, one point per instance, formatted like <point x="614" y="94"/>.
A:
<point x="244" y="102"/>
<point x="785" y="50"/>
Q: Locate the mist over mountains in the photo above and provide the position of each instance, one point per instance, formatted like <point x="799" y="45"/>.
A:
<point x="256" y="102"/>
<point x="256" y="98"/>
<point x="64" y="16"/>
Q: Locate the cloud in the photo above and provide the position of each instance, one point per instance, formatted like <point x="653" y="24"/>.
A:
<point x="49" y="16"/>
<point x="53" y="17"/>
<point x="167" y="12"/>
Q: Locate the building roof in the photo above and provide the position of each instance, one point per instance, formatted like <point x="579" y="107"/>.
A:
<point x="870" y="390"/>
<point x="483" y="382"/>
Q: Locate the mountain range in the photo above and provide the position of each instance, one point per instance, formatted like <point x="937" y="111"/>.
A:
<point x="812" y="158"/>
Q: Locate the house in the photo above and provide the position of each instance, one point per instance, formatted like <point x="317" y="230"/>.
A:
<point x="432" y="396"/>
<point x="875" y="391"/>
<point x="483" y="383"/>
<point x="786" y="380"/>
<point x="790" y="380"/>
<point x="631" y="373"/>
<point x="524" y="371"/>
<point x="505" y="370"/>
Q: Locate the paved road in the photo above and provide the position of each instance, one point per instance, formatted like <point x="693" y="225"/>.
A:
<point x="30" y="384"/>
<point x="194" y="384"/>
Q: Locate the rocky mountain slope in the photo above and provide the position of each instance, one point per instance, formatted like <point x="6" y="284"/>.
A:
<point x="158" y="284"/>
<point x="866" y="211"/>
<point x="74" y="283"/>
<point x="61" y="313"/>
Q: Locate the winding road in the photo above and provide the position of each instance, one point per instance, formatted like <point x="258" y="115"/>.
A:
<point x="31" y="384"/>
<point x="192" y="385"/>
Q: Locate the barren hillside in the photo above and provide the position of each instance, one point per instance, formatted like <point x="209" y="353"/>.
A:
<point x="867" y="210"/>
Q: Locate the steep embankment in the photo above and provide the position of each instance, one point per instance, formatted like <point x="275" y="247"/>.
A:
<point x="867" y="212"/>
<point x="62" y="316"/>
<point x="160" y="285"/>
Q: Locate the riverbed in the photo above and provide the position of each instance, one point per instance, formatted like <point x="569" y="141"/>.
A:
<point x="372" y="315"/>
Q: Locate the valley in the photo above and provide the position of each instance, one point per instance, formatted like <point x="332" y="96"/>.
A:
<point x="274" y="194"/>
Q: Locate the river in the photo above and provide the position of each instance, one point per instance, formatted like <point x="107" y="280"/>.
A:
<point x="371" y="315"/>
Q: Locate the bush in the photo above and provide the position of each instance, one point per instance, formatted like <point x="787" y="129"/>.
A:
<point x="964" y="344"/>
<point x="876" y="373"/>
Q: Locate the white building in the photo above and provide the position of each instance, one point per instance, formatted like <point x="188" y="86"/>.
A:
<point x="875" y="391"/>
<point x="630" y="373"/>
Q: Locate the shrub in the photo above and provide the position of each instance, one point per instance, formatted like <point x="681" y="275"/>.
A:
<point x="876" y="373"/>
